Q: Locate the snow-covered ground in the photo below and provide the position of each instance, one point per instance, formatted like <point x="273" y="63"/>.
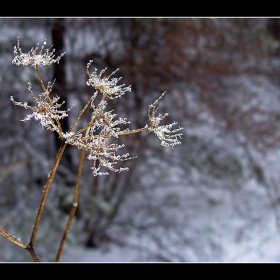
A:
<point x="225" y="227"/>
<point x="261" y="249"/>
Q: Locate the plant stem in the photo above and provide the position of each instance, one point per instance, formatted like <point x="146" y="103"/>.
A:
<point x="45" y="193"/>
<point x="33" y="254"/>
<point x="13" y="238"/>
<point x="75" y="198"/>
<point x="40" y="78"/>
<point x="81" y="113"/>
<point x="74" y="206"/>
<point x="20" y="243"/>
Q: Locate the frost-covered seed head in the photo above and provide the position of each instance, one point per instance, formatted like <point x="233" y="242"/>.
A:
<point x="106" y="85"/>
<point x="166" y="135"/>
<point x="34" y="59"/>
<point x="46" y="110"/>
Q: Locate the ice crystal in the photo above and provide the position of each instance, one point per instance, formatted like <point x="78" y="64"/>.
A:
<point x="106" y="85"/>
<point x="34" y="59"/>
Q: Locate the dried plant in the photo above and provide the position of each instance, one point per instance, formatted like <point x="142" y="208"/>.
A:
<point x="96" y="138"/>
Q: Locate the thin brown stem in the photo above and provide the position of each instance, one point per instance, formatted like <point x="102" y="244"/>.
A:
<point x="75" y="201"/>
<point x="81" y="113"/>
<point x="33" y="254"/>
<point x="83" y="129"/>
<point x="45" y="193"/>
<point x="59" y="130"/>
<point x="20" y="243"/>
<point x="13" y="238"/>
<point x="121" y="133"/>
<point x="134" y="131"/>
<point x="74" y="207"/>
<point x="40" y="77"/>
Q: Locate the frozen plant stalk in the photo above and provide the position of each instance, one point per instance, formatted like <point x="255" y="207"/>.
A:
<point x="96" y="138"/>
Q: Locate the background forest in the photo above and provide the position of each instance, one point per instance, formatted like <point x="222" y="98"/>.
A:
<point x="202" y="201"/>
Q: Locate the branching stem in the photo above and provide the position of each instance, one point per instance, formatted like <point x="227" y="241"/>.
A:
<point x="74" y="207"/>
<point x="75" y="199"/>
<point x="20" y="243"/>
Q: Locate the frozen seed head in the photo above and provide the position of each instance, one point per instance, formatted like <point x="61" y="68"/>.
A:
<point x="33" y="58"/>
<point x="100" y="151"/>
<point x="166" y="135"/>
<point x="106" y="85"/>
<point x="47" y="109"/>
<point x="104" y="121"/>
<point x="104" y="155"/>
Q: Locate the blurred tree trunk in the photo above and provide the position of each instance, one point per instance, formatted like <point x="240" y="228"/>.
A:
<point x="59" y="74"/>
<point x="273" y="26"/>
<point x="66" y="169"/>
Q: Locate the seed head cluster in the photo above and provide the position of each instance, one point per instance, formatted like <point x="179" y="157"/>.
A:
<point x="97" y="137"/>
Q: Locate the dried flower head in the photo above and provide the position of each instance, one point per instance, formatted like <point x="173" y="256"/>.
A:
<point x="166" y="135"/>
<point x="103" y="127"/>
<point x="106" y="85"/>
<point x="46" y="110"/>
<point x="102" y="153"/>
<point x="34" y="59"/>
<point x="104" y="121"/>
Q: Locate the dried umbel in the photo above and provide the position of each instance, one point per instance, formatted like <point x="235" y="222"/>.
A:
<point x="165" y="134"/>
<point x="103" y="126"/>
<point x="96" y="138"/>
<point x="108" y="87"/>
<point x="46" y="110"/>
<point x="34" y="59"/>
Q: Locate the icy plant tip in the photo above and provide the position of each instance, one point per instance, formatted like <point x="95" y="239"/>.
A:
<point x="33" y="58"/>
<point x="104" y="85"/>
<point x="47" y="109"/>
<point x="166" y="135"/>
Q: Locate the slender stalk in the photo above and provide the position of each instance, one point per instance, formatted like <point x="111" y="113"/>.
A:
<point x="81" y="113"/>
<point x="45" y="193"/>
<point x="33" y="254"/>
<point x="75" y="201"/>
<point x="133" y="131"/>
<point x="13" y="238"/>
<point x="40" y="78"/>
<point x="20" y="243"/>
<point x="74" y="207"/>
<point x="121" y="133"/>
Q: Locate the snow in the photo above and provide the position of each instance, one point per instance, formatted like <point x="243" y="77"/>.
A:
<point x="217" y="233"/>
<point x="262" y="248"/>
